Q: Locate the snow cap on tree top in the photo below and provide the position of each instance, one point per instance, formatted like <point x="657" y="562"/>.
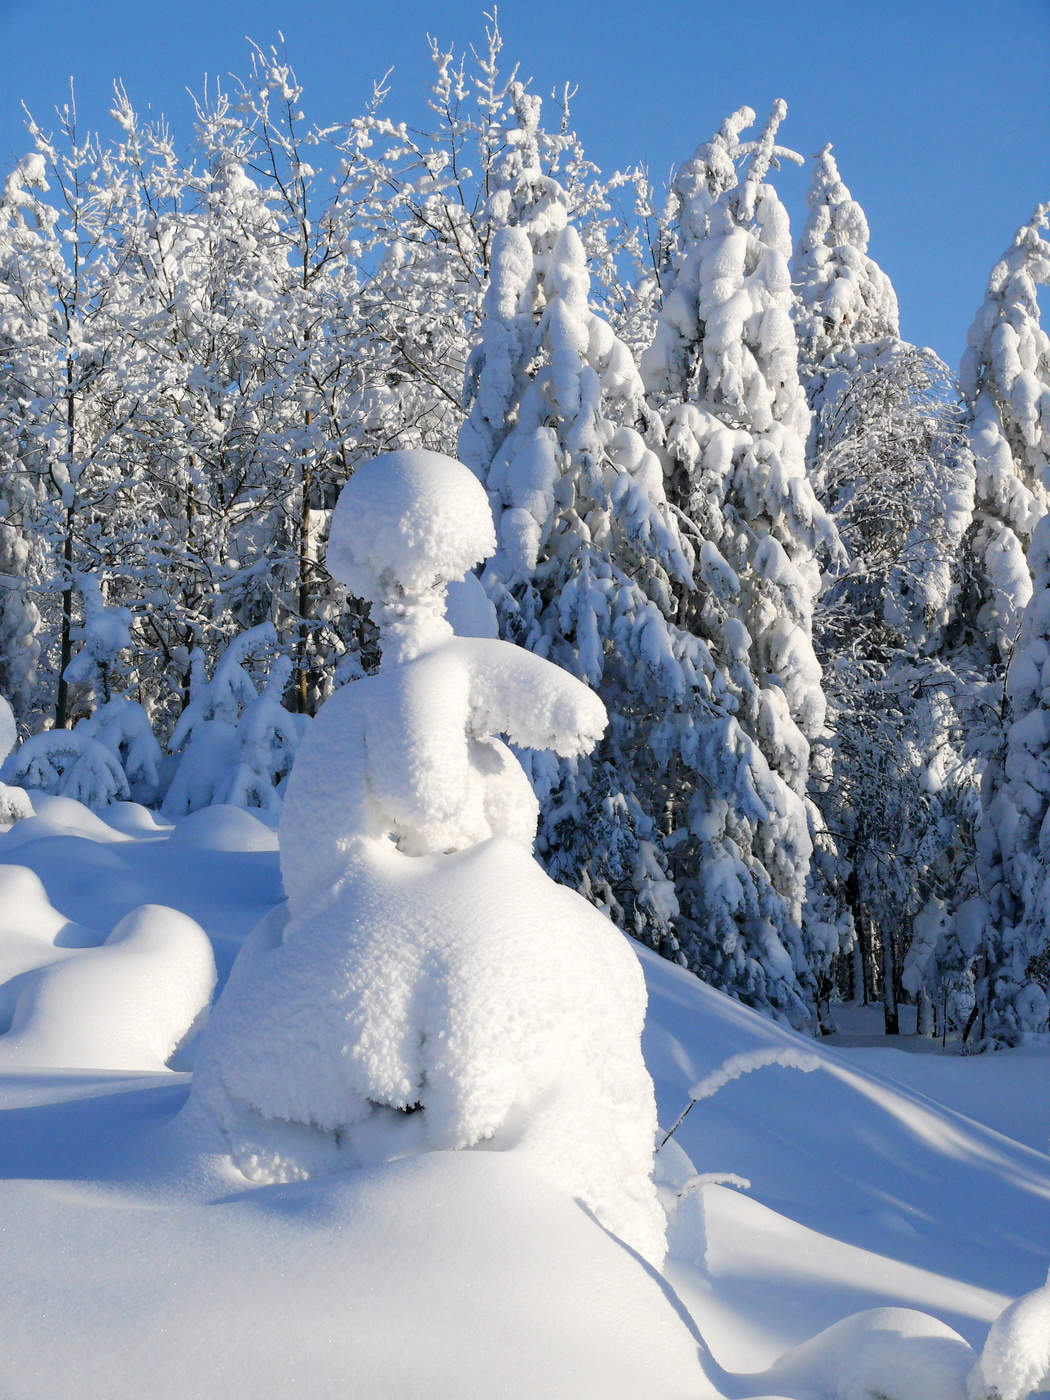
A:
<point x="409" y="521"/>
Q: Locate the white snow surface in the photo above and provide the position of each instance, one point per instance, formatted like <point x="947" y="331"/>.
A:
<point x="885" y="1180"/>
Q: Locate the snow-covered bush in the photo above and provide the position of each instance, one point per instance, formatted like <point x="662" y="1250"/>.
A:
<point x="122" y="726"/>
<point x="431" y="987"/>
<point x="105" y="633"/>
<point x="234" y="742"/>
<point x="68" y="763"/>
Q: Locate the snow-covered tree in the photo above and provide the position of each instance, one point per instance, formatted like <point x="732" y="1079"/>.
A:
<point x="844" y="299"/>
<point x="590" y="558"/>
<point x="234" y="741"/>
<point x="1012" y="994"/>
<point x="896" y="474"/>
<point x="1005" y="379"/>
<point x="722" y="373"/>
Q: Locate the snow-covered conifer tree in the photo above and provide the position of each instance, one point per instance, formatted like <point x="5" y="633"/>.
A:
<point x="1005" y="379"/>
<point x="590" y="559"/>
<point x="722" y="372"/>
<point x="1012" y="995"/>
<point x="887" y="461"/>
<point x="844" y="297"/>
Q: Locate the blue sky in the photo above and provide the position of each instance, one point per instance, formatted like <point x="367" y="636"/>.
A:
<point x="939" y="111"/>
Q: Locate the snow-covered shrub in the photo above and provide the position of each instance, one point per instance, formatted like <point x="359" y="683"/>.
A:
<point x="431" y="986"/>
<point x="234" y="742"/>
<point x="105" y="633"/>
<point x="68" y="763"/>
<point x="122" y="726"/>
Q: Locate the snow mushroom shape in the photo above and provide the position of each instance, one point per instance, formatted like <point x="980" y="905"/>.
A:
<point x="429" y="987"/>
<point x="416" y="519"/>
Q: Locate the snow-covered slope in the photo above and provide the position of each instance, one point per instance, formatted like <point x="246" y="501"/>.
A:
<point x="136" y="1265"/>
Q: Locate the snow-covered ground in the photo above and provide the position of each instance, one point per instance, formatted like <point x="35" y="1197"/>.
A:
<point x="137" y="1263"/>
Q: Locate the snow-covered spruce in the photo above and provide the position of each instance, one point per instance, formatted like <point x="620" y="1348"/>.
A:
<point x="1005" y="380"/>
<point x="1012" y="841"/>
<point x="722" y="375"/>
<point x="843" y="298"/>
<point x="589" y="559"/>
<point x="431" y="987"/>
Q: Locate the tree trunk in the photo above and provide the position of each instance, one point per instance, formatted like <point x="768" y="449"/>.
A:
<point x="66" y="646"/>
<point x="889" y="988"/>
<point x="302" y="698"/>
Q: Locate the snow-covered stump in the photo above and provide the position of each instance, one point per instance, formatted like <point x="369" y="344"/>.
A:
<point x="429" y="987"/>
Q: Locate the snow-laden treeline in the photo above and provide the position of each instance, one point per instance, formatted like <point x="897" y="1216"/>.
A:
<point x="789" y="552"/>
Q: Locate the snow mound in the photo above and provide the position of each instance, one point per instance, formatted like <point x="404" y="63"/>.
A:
<point x="415" y="516"/>
<point x="880" y="1354"/>
<point x="30" y="930"/>
<point x="61" y="816"/>
<point x="225" y="828"/>
<point x="125" y="1005"/>
<point x="428" y="1279"/>
<point x="449" y="1001"/>
<point x="133" y="819"/>
<point x="1015" y="1361"/>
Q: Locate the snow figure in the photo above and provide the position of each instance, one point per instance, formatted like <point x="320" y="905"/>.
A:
<point x="14" y="804"/>
<point x="429" y="987"/>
